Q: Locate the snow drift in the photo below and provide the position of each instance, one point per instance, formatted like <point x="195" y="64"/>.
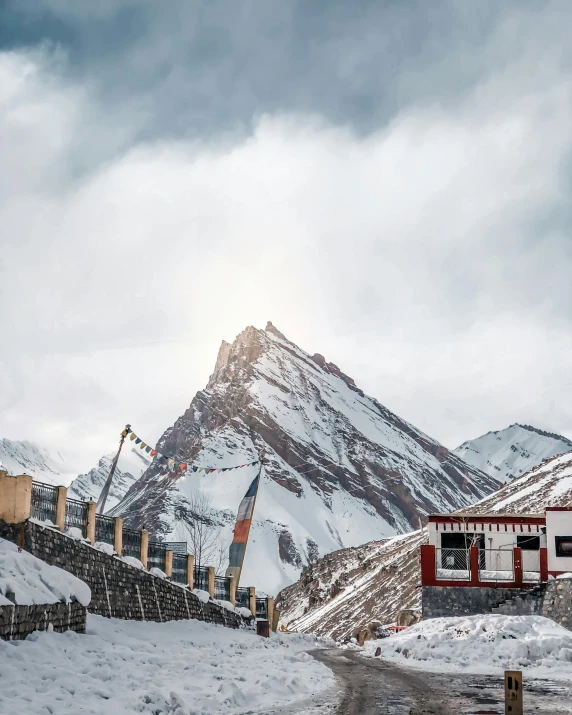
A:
<point x="482" y="644"/>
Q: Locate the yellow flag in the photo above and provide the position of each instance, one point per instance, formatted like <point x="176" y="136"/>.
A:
<point x="133" y="435"/>
<point x="142" y="445"/>
<point x="170" y="461"/>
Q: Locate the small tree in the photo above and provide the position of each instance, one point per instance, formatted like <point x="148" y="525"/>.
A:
<point x="195" y="524"/>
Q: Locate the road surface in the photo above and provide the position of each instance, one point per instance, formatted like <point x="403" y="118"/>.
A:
<point x="369" y="686"/>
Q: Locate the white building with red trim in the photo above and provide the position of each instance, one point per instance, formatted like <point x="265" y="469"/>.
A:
<point x="497" y="550"/>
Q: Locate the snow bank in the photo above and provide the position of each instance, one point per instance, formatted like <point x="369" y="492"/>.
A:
<point x="132" y="561"/>
<point x="178" y="667"/>
<point x="32" y="581"/>
<point x="203" y="596"/>
<point x="482" y="644"/>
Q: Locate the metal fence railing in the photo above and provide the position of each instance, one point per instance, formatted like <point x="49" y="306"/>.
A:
<point x="179" y="573"/>
<point x="261" y="608"/>
<point x="76" y="515"/>
<point x="156" y="555"/>
<point x="177" y="547"/>
<point x="496" y="565"/>
<point x="452" y="564"/>
<point x="242" y="597"/>
<point x="222" y="588"/>
<point x="131" y="543"/>
<point x="202" y="578"/>
<point x="105" y="529"/>
<point x="44" y="502"/>
<point x="530" y="565"/>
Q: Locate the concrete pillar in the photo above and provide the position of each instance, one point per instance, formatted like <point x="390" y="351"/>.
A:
<point x="211" y="580"/>
<point x="169" y="563"/>
<point x="191" y="571"/>
<point x="275" y="620"/>
<point x="252" y="600"/>
<point x="91" y="521"/>
<point x="232" y="590"/>
<point x="118" y="535"/>
<point x="517" y="556"/>
<point x="428" y="565"/>
<point x="474" y="562"/>
<point x="61" y="508"/>
<point x="270" y="610"/>
<point x="15" y="498"/>
<point x="144" y="547"/>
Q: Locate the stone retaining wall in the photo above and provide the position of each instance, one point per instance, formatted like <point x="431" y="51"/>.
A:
<point x="118" y="590"/>
<point x="17" y="622"/>
<point x="552" y="600"/>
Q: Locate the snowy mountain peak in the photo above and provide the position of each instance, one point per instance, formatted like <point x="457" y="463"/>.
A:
<point x="509" y="453"/>
<point x="23" y="457"/>
<point x="341" y="469"/>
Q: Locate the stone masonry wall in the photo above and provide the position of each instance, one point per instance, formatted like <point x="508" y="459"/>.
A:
<point x="557" y="602"/>
<point x="552" y="600"/>
<point x="17" y="622"/>
<point x="438" y="601"/>
<point x="118" y="590"/>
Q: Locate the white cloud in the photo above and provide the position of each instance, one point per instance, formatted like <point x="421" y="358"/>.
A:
<point x="424" y="259"/>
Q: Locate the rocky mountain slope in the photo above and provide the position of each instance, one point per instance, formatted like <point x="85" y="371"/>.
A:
<point x="513" y="451"/>
<point x="21" y="457"/>
<point x="340" y="468"/>
<point x="548" y="484"/>
<point x="350" y="588"/>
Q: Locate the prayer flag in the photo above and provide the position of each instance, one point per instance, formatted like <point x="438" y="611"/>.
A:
<point x="241" y="530"/>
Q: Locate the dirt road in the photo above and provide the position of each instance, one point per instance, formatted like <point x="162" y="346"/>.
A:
<point x="375" y="687"/>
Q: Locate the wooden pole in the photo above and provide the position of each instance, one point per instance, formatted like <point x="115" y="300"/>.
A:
<point x="106" y="487"/>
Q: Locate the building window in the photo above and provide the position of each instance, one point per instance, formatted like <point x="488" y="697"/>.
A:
<point x="528" y="543"/>
<point x="563" y="545"/>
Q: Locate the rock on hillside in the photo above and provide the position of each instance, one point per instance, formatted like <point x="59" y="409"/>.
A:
<point x="350" y="588"/>
<point x="513" y="451"/>
<point x="341" y="469"/>
<point x="548" y="484"/>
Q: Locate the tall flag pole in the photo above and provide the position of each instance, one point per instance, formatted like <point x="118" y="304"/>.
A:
<point x="237" y="549"/>
<point x="100" y="506"/>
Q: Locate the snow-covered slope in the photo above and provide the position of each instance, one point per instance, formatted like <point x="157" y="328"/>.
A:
<point x="548" y="484"/>
<point x="132" y="463"/>
<point x="350" y="588"/>
<point x="341" y="469"/>
<point x="28" y="458"/>
<point x="513" y="451"/>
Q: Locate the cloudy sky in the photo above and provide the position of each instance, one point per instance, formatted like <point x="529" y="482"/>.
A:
<point x="388" y="182"/>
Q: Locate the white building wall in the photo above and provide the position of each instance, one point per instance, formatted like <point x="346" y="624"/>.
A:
<point x="558" y="523"/>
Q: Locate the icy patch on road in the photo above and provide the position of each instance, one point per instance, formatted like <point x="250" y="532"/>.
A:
<point x="183" y="667"/>
<point x="482" y="644"/>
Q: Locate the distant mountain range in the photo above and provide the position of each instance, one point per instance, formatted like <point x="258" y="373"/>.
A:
<point x="54" y="468"/>
<point x="511" y="452"/>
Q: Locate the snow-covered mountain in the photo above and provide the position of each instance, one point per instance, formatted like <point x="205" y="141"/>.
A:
<point x="132" y="463"/>
<point x="350" y="588"/>
<point x="341" y="469"/>
<point x="548" y="484"/>
<point x="513" y="451"/>
<point x="52" y="467"/>
<point x="21" y="457"/>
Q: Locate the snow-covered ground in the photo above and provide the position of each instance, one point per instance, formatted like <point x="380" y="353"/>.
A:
<point x="482" y="644"/>
<point x="26" y="580"/>
<point x="179" y="667"/>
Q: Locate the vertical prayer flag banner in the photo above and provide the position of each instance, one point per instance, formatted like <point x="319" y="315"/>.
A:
<point x="241" y="530"/>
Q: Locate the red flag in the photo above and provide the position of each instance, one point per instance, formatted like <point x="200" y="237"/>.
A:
<point x="212" y="470"/>
<point x="183" y="466"/>
<point x="153" y="452"/>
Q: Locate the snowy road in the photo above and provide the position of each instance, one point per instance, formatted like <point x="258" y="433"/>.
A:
<point x="375" y="687"/>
